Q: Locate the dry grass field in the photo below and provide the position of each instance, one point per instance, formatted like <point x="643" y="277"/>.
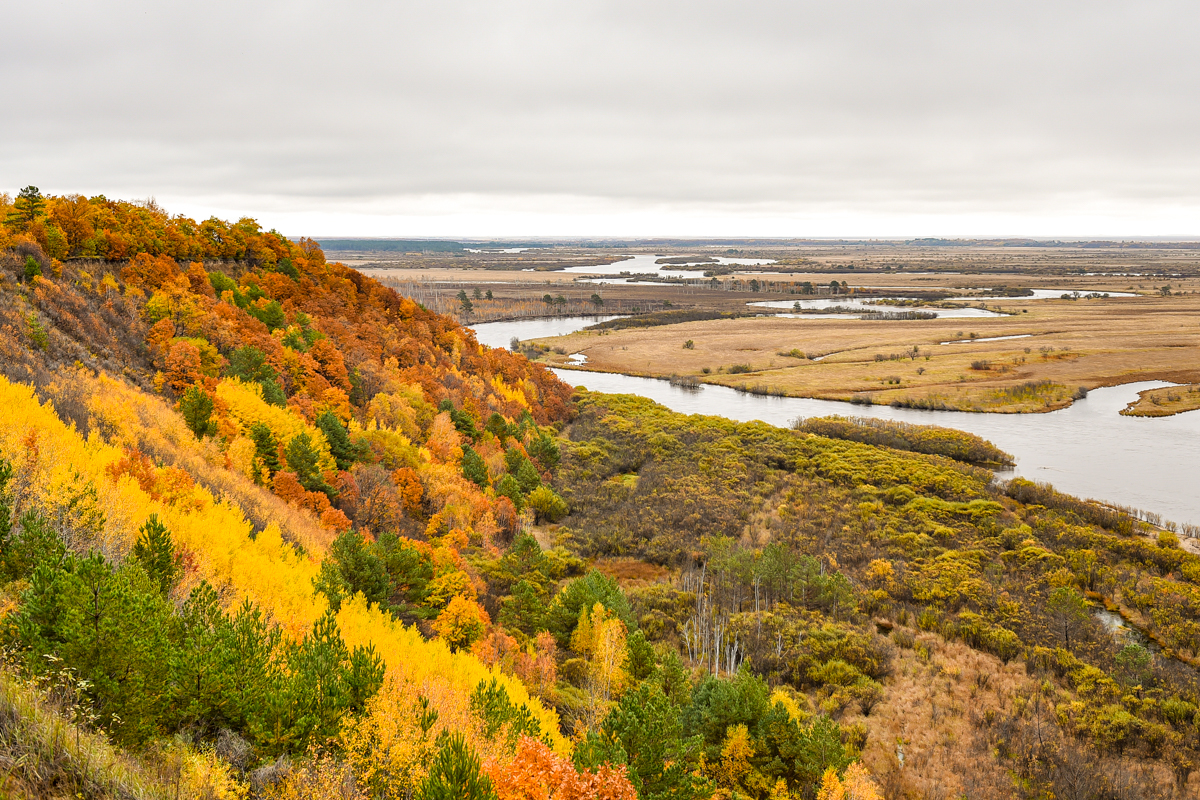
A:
<point x="1064" y="345"/>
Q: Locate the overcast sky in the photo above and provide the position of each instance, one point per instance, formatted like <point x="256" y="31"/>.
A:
<point x="496" y="118"/>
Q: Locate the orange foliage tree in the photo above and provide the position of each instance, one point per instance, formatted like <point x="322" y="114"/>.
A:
<point x="538" y="773"/>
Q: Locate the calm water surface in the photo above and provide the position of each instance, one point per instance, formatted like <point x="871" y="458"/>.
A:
<point x="864" y="305"/>
<point x="644" y="265"/>
<point x="1088" y="449"/>
<point x="499" y="334"/>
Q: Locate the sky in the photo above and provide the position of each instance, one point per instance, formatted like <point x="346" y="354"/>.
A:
<point x="880" y="118"/>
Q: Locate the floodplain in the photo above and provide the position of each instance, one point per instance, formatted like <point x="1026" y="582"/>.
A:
<point x="1050" y="322"/>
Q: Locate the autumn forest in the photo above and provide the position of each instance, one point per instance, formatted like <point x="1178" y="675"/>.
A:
<point x="270" y="529"/>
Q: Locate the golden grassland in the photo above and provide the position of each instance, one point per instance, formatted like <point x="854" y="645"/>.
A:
<point x="1165" y="401"/>
<point x="1065" y="345"/>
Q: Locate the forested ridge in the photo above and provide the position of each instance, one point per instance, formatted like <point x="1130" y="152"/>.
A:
<point x="269" y="529"/>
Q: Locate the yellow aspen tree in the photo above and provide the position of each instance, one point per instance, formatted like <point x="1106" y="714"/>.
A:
<point x="736" y="753"/>
<point x="859" y="784"/>
<point x="831" y="787"/>
<point x="601" y="638"/>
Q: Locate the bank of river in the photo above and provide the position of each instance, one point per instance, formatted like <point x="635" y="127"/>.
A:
<point x="1088" y="449"/>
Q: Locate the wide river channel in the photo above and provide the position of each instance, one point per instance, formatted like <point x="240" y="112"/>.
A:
<point x="1088" y="450"/>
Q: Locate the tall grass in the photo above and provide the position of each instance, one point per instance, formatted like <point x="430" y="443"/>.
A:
<point x="44" y="753"/>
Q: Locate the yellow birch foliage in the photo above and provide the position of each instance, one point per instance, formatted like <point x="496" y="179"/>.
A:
<point x="246" y="407"/>
<point x="856" y="785"/>
<point x="462" y="622"/>
<point x="321" y="777"/>
<point x="395" y="410"/>
<point x="735" y="757"/>
<point x="421" y="660"/>
<point x="389" y="747"/>
<point x="859" y="785"/>
<point x="512" y="394"/>
<point x="144" y="422"/>
<point x="601" y="637"/>
<point x="444" y="441"/>
<point x="204" y="774"/>
<point x="831" y="787"/>
<point x="55" y="466"/>
<point x="241" y="455"/>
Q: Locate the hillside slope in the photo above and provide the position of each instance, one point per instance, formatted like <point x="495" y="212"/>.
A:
<point x="269" y="529"/>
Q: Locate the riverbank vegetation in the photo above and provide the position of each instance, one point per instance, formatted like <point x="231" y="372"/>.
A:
<point x="930" y="439"/>
<point x="270" y="530"/>
<point x="1165" y="401"/>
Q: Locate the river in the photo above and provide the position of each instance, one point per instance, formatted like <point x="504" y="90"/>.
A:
<point x="1088" y="449"/>
<point x="865" y="306"/>
<point x="645" y="265"/>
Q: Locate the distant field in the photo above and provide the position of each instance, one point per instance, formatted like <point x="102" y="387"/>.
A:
<point x="1066" y="345"/>
<point x="847" y="259"/>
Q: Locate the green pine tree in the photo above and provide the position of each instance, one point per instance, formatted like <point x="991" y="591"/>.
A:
<point x="303" y="459"/>
<point x="508" y="487"/>
<point x="344" y="452"/>
<point x="266" y="449"/>
<point x="197" y="407"/>
<point x="155" y="551"/>
<point x="527" y="476"/>
<point x="272" y="392"/>
<point x="111" y="628"/>
<point x="5" y="506"/>
<point x="35" y="544"/>
<point x="473" y="468"/>
<point x="645" y="733"/>
<point x="456" y="774"/>
<point x="352" y="566"/>
<point x="524" y="610"/>
<point x="497" y="426"/>
<point x="327" y="680"/>
<point x="29" y="205"/>
<point x="32" y="268"/>
<point x="270" y="314"/>
<point x="545" y="450"/>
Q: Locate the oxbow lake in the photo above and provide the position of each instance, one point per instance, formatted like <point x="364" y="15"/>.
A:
<point x="1088" y="450"/>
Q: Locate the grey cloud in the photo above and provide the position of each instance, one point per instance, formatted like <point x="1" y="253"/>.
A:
<point x="938" y="107"/>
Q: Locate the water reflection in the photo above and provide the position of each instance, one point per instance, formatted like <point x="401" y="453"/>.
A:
<point x="499" y="334"/>
<point x="860" y="306"/>
<point x="1122" y="632"/>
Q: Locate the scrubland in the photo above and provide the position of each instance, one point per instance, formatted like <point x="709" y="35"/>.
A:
<point x="270" y="530"/>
